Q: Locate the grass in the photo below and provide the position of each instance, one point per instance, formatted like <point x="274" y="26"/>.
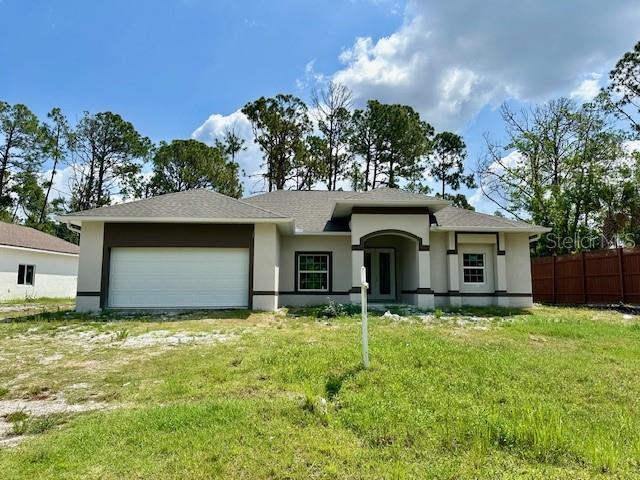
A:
<point x="546" y="393"/>
<point x="38" y="301"/>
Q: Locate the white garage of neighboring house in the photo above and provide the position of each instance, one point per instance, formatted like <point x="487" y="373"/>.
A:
<point x="34" y="264"/>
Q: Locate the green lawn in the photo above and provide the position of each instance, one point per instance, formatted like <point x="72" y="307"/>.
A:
<point x="549" y="393"/>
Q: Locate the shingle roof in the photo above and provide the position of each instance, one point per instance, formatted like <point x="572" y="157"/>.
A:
<point x="386" y="194"/>
<point x="198" y="203"/>
<point x="311" y="209"/>
<point x="18" y="236"/>
<point x="459" y="217"/>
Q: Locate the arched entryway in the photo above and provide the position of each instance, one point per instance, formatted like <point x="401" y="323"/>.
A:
<point x="391" y="259"/>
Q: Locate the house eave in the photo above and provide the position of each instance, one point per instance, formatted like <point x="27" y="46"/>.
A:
<point x="38" y="250"/>
<point x="472" y="229"/>
<point x="78" y="219"/>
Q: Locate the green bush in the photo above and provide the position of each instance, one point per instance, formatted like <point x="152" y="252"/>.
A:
<point x="333" y="310"/>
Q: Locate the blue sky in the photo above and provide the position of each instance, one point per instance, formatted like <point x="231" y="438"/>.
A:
<point x="167" y="65"/>
<point x="181" y="68"/>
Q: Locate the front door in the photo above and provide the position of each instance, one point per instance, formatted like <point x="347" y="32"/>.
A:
<point x="381" y="273"/>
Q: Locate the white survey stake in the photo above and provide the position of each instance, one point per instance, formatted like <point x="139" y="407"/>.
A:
<point x="364" y="286"/>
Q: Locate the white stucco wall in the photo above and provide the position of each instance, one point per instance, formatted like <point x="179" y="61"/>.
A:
<point x="489" y="285"/>
<point x="439" y="268"/>
<point x="55" y="274"/>
<point x="266" y="266"/>
<point x="518" y="263"/>
<point x="90" y="266"/>
<point x="339" y="246"/>
<point x="363" y="224"/>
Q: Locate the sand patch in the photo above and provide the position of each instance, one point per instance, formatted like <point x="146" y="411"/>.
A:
<point x="38" y="408"/>
<point x="167" y="338"/>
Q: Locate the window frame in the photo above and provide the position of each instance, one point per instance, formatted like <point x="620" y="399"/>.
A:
<point x="329" y="272"/>
<point x="22" y="279"/>
<point x="483" y="268"/>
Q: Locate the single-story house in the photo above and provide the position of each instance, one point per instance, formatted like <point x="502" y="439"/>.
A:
<point x="35" y="264"/>
<point x="200" y="249"/>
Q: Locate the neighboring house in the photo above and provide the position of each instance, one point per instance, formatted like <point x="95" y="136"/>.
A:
<point x="35" y="264"/>
<point x="200" y="249"/>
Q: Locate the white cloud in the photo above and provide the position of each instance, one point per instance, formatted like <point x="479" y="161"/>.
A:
<point x="587" y="89"/>
<point x="312" y="78"/>
<point x="250" y="159"/>
<point x="450" y="59"/>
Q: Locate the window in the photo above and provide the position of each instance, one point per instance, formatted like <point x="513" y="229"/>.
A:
<point x="26" y="274"/>
<point x="473" y="267"/>
<point x="313" y="272"/>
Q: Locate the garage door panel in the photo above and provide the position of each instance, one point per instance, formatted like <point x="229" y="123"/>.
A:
<point x="178" y="277"/>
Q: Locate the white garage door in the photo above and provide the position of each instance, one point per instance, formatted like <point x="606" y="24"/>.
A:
<point x="179" y="277"/>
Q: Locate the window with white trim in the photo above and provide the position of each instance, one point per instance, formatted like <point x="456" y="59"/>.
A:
<point x="473" y="267"/>
<point x="26" y="274"/>
<point x="313" y="272"/>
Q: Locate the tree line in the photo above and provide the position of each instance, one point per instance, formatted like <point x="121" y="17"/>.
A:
<point x="105" y="156"/>
<point x="326" y="144"/>
<point x="329" y="143"/>
<point x="573" y="167"/>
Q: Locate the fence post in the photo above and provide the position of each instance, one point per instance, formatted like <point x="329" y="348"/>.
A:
<point x="553" y="277"/>
<point x="584" y="278"/>
<point x="621" y="270"/>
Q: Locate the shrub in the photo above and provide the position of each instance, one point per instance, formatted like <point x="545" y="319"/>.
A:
<point x="333" y="310"/>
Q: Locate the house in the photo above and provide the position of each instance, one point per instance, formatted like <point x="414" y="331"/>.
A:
<point x="200" y="249"/>
<point x="35" y="264"/>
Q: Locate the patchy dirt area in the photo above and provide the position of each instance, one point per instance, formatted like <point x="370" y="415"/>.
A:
<point x="17" y="310"/>
<point x="16" y="416"/>
<point x="89" y="339"/>
<point x="167" y="338"/>
<point x="57" y="365"/>
<point x="460" y="321"/>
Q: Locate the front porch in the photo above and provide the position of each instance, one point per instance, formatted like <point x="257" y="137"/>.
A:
<point x="397" y="264"/>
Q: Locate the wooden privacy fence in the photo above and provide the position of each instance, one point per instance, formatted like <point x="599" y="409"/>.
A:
<point x="598" y="277"/>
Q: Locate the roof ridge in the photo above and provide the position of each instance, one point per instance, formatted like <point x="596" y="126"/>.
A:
<point x="510" y="221"/>
<point x="181" y="193"/>
<point x="138" y="200"/>
<point x="258" y="208"/>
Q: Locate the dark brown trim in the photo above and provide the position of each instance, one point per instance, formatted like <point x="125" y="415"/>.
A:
<point x="106" y="272"/>
<point x="192" y="235"/>
<point x="390" y="210"/>
<point x="314" y="293"/>
<point x="452" y="252"/>
<point x="419" y="291"/>
<point x="88" y="294"/>
<point x="329" y="273"/>
<point x="480" y="294"/>
<point x="265" y="292"/>
<point x="355" y="290"/>
<point x="402" y="233"/>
